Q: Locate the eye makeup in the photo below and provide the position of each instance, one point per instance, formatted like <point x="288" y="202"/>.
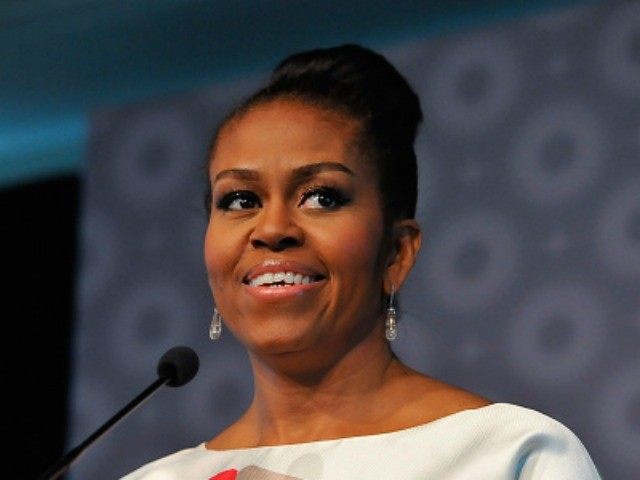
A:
<point x="238" y="200"/>
<point x="322" y="196"/>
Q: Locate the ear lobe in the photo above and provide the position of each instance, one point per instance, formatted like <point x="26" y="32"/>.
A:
<point x="406" y="241"/>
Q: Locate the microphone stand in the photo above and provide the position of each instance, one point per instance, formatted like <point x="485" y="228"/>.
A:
<point x="64" y="463"/>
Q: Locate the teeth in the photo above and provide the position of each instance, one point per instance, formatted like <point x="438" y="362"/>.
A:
<point x="288" y="278"/>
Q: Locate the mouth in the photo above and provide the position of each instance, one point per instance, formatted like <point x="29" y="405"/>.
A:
<point x="282" y="279"/>
<point x="277" y="274"/>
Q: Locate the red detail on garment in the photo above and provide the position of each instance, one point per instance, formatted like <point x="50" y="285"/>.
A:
<point x="226" y="475"/>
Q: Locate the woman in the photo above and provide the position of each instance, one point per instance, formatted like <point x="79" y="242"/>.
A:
<point x="311" y="235"/>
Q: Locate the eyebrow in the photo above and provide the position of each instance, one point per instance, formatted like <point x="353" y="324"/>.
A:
<point x="299" y="174"/>
<point x="240" y="173"/>
<point x="308" y="171"/>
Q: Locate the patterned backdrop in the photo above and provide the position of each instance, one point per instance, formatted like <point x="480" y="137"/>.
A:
<point x="528" y="286"/>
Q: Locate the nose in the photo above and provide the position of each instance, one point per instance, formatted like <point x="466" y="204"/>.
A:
<point x="276" y="229"/>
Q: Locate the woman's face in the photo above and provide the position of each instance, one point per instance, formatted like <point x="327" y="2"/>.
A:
<point x="294" y="245"/>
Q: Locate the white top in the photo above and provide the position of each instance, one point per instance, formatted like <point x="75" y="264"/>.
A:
<point x="497" y="442"/>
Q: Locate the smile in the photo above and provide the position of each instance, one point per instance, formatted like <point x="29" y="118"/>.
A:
<point x="282" y="279"/>
<point x="276" y="280"/>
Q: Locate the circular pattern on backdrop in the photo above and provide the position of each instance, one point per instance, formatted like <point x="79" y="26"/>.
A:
<point x="617" y="412"/>
<point x="556" y="334"/>
<point x="149" y="319"/>
<point x="618" y="230"/>
<point x="152" y="158"/>
<point x="472" y="260"/>
<point x="557" y="154"/>
<point x="618" y="50"/>
<point x="473" y="85"/>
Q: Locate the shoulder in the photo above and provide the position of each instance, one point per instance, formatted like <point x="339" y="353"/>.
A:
<point x="425" y="399"/>
<point x="510" y="419"/>
<point x="177" y="463"/>
<point x="539" y="445"/>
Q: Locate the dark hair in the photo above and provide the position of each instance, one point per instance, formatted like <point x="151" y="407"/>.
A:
<point x="363" y="85"/>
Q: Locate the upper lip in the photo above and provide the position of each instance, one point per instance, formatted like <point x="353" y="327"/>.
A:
<point x="274" y="266"/>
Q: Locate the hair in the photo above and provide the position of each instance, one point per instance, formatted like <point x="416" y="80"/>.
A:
<point x="361" y="84"/>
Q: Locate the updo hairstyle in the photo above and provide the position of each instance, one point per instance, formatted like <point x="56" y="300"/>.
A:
<point x="363" y="85"/>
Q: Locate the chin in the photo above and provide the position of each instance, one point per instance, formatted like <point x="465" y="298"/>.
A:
<point x="288" y="352"/>
<point x="279" y="333"/>
<point x="279" y="345"/>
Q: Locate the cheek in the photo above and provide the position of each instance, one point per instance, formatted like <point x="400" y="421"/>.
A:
<point x="353" y="248"/>
<point x="218" y="255"/>
<point x="210" y="260"/>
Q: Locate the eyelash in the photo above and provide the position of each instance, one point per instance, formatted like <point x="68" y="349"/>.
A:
<point x="337" y="197"/>
<point x="243" y="195"/>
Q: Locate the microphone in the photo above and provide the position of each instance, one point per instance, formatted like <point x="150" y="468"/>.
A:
<point x="176" y="367"/>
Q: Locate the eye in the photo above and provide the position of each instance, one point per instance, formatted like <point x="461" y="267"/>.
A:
<point x="323" y="197"/>
<point x="238" y="200"/>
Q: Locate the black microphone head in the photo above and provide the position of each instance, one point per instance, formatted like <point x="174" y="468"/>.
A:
<point x="179" y="365"/>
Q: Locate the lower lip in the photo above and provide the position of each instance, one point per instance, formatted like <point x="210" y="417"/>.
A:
<point x="281" y="293"/>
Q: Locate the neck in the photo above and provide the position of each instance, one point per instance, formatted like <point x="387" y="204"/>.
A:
<point x="322" y="402"/>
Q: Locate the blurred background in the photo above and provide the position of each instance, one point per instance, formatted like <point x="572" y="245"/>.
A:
<point x="528" y="288"/>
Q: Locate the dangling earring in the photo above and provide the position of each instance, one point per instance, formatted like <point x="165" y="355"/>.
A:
<point x="390" y="323"/>
<point x="215" y="328"/>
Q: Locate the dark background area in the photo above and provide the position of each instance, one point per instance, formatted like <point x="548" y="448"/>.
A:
<point x="39" y="237"/>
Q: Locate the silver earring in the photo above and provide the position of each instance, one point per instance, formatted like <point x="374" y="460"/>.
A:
<point x="390" y="323"/>
<point x="215" y="328"/>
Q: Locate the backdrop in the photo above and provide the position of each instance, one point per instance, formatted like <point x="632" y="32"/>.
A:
<point x="527" y="289"/>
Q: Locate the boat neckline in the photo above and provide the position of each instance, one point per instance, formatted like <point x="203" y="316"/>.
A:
<point x="429" y="424"/>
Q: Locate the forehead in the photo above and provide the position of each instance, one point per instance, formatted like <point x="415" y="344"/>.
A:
<point x="287" y="132"/>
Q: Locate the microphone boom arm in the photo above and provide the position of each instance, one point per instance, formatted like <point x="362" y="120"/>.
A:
<point x="65" y="462"/>
<point x="176" y="368"/>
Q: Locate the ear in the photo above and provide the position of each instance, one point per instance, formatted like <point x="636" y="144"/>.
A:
<point x="406" y="238"/>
